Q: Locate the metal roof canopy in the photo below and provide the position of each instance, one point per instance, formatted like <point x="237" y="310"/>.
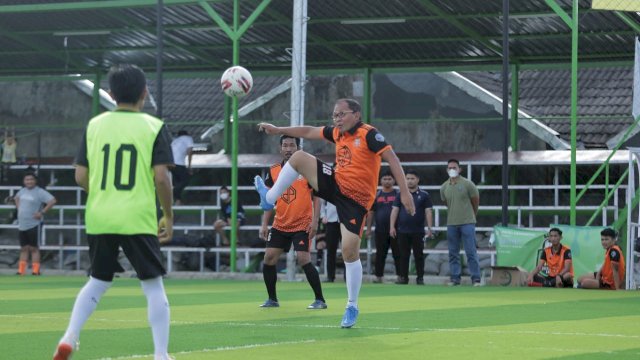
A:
<point x="341" y="34"/>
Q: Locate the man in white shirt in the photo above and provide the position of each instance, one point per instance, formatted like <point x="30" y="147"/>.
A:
<point x="182" y="146"/>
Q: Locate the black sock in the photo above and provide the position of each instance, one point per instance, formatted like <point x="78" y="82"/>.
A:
<point x="270" y="276"/>
<point x="314" y="280"/>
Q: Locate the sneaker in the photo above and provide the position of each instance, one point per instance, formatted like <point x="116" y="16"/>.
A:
<point x="262" y="189"/>
<point x="270" y="303"/>
<point x="377" y="280"/>
<point x="402" y="280"/>
<point x="419" y="281"/>
<point x="477" y="284"/>
<point x="64" y="350"/>
<point x="316" y="305"/>
<point x="453" y="283"/>
<point x="350" y="317"/>
<point x="36" y="274"/>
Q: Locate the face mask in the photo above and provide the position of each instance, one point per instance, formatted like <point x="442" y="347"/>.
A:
<point x="224" y="196"/>
<point x="452" y="173"/>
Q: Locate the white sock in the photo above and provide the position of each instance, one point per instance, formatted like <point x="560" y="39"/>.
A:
<point x="158" y="314"/>
<point x="286" y="177"/>
<point x="354" y="281"/>
<point x="86" y="302"/>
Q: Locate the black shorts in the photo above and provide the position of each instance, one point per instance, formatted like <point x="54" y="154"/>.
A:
<point x="602" y="284"/>
<point x="548" y="281"/>
<point x="283" y="240"/>
<point x="143" y="251"/>
<point x="350" y="213"/>
<point x="29" y="237"/>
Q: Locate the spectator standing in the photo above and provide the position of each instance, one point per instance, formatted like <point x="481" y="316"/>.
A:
<point x="462" y="199"/>
<point x="225" y="211"/>
<point x="8" y="153"/>
<point x="381" y="212"/>
<point x="611" y="275"/>
<point x="332" y="237"/>
<point x="557" y="261"/>
<point x="32" y="203"/>
<point x="182" y="148"/>
<point x="410" y="229"/>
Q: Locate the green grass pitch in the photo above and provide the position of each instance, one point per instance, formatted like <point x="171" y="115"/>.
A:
<point x="216" y="319"/>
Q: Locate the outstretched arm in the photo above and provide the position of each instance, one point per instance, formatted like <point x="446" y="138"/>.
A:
<point x="307" y="132"/>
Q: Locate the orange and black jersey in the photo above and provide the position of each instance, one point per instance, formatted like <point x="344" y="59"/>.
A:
<point x="358" y="157"/>
<point x="555" y="261"/>
<point x="613" y="255"/>
<point x="294" y="208"/>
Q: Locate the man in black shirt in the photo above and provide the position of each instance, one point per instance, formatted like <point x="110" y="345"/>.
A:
<point x="410" y="229"/>
<point x="381" y="210"/>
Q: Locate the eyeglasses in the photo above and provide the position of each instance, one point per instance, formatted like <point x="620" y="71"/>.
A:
<point x="341" y="114"/>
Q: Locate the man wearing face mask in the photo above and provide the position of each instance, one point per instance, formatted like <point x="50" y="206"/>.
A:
<point x="462" y="199"/>
<point x="225" y="211"/>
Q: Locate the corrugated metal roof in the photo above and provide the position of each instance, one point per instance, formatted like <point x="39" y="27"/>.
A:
<point x="422" y="32"/>
<point x="604" y="102"/>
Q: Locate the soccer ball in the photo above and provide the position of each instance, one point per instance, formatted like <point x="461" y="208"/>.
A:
<point x="236" y="81"/>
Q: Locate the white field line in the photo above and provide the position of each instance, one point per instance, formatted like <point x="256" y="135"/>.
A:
<point x="221" y="348"/>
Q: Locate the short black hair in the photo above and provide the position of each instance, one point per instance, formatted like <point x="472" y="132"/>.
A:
<point x="454" y="161"/>
<point x="30" y="174"/>
<point x="126" y="83"/>
<point x="282" y="137"/>
<point x="412" y="172"/>
<point x="609" y="232"/>
<point x="224" y="187"/>
<point x="183" y="133"/>
<point x="556" y="230"/>
<point x="352" y="104"/>
<point x="386" y="172"/>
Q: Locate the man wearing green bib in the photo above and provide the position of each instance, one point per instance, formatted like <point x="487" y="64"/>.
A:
<point x="123" y="161"/>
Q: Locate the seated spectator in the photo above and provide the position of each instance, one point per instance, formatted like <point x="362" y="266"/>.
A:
<point x="182" y="148"/>
<point x="557" y="259"/>
<point x="611" y="274"/>
<point x="225" y="211"/>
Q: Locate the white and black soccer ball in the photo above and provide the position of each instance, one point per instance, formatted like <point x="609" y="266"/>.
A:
<point x="236" y="81"/>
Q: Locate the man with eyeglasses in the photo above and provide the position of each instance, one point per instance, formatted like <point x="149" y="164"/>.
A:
<point x="351" y="187"/>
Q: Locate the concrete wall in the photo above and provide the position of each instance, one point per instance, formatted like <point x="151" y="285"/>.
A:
<point x="56" y="110"/>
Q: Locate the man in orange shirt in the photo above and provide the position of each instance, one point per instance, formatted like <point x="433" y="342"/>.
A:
<point x="557" y="259"/>
<point x="612" y="272"/>
<point x="296" y="222"/>
<point x="351" y="187"/>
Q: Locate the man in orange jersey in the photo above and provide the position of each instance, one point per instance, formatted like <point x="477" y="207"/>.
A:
<point x="296" y="222"/>
<point x="557" y="259"/>
<point x="351" y="187"/>
<point x="611" y="274"/>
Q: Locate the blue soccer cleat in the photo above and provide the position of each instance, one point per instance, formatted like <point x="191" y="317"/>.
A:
<point x="262" y="189"/>
<point x="350" y="317"/>
<point x="270" y="303"/>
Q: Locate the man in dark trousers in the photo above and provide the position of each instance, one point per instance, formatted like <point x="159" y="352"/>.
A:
<point x="410" y="229"/>
<point x="381" y="210"/>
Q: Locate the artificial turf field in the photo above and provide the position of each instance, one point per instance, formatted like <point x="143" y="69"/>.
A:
<point x="220" y="319"/>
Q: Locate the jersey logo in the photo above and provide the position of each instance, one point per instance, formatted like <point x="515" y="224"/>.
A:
<point x="613" y="253"/>
<point x="379" y="137"/>
<point x="289" y="195"/>
<point x="343" y="156"/>
<point x="357" y="142"/>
